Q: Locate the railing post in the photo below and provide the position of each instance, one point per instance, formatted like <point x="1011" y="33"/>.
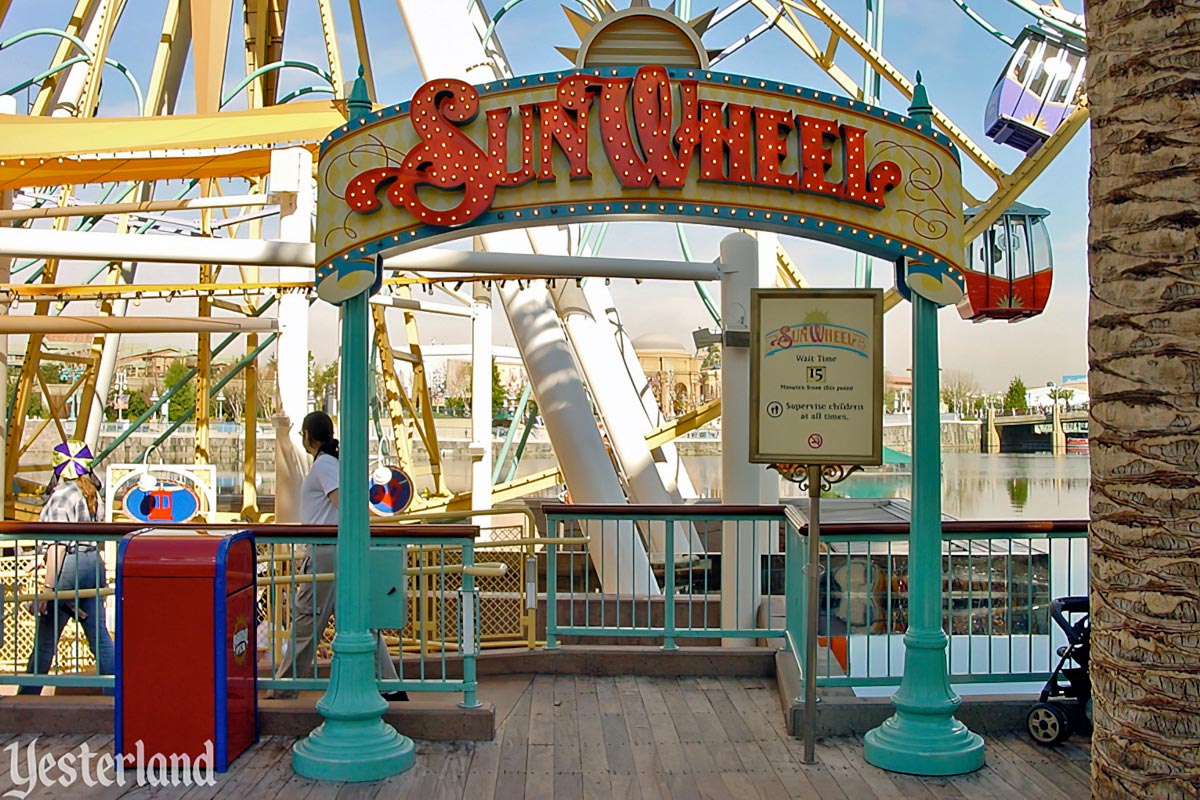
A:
<point x="794" y="587"/>
<point x="551" y="586"/>
<point x="669" y="588"/>
<point x="469" y="623"/>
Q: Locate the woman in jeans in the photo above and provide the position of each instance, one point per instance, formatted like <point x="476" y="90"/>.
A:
<point x="72" y="496"/>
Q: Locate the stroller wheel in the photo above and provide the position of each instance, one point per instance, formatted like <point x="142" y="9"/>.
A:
<point x="1048" y="724"/>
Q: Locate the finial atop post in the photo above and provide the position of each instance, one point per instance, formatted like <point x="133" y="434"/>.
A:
<point x="359" y="104"/>
<point x="920" y="108"/>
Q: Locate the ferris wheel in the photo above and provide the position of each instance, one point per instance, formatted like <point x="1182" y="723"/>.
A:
<point x="140" y="133"/>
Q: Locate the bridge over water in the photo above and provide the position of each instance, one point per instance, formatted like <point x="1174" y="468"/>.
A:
<point x="1057" y="431"/>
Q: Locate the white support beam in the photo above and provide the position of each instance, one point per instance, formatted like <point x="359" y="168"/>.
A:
<point x="90" y="210"/>
<point x="409" y="304"/>
<point x="94" y="246"/>
<point x="481" y="397"/>
<point x="8" y="105"/>
<point x="291" y="185"/>
<point x="740" y="480"/>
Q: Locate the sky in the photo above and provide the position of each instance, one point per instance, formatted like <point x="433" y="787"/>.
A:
<point x="959" y="63"/>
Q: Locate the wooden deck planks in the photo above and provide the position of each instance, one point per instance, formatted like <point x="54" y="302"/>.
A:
<point x="568" y="761"/>
<point x="539" y="779"/>
<point x="626" y="738"/>
<point x="597" y="784"/>
<point x="514" y="749"/>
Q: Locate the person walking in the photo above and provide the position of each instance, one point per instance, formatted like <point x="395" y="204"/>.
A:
<point x="313" y="602"/>
<point x="73" y="496"/>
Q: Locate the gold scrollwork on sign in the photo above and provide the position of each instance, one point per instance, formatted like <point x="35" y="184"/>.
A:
<point x="830" y="474"/>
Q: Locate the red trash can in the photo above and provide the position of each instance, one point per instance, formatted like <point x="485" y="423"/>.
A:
<point x="187" y="679"/>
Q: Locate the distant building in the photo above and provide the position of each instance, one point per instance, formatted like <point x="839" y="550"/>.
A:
<point x="677" y="375"/>
<point x="897" y="394"/>
<point x="146" y="370"/>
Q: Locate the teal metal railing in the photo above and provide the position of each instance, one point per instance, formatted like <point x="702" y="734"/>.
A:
<point x="998" y="581"/>
<point x="437" y="647"/>
<point x="717" y="572"/>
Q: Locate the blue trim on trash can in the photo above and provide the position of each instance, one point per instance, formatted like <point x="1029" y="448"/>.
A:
<point x="220" y="628"/>
<point x="118" y="678"/>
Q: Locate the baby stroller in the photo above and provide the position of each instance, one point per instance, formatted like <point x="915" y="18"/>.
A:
<point x="1052" y="720"/>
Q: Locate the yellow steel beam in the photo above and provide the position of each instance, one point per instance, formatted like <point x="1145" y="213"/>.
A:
<point x="4" y="6"/>
<point x="166" y="76"/>
<point x="677" y="427"/>
<point x="360" y="41"/>
<point x="789" y="273"/>
<point x="427" y="426"/>
<point x="830" y="50"/>
<point x="30" y="369"/>
<point x="254" y="26"/>
<point x="277" y="16"/>
<point x="794" y="30"/>
<point x="210" y="36"/>
<point x="881" y="65"/>
<point x="111" y="11"/>
<point x="329" y="31"/>
<point x="52" y="412"/>
<point x="49" y="139"/>
<point x="139" y="291"/>
<point x="392" y="388"/>
<point x="501" y="492"/>
<point x="1031" y="167"/>
<point x="83" y="11"/>
<point x="249" y="510"/>
<point x="204" y="342"/>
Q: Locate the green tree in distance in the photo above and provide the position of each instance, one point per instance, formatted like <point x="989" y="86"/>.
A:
<point x="36" y="409"/>
<point x="322" y="379"/>
<point x="499" y="396"/>
<point x="1015" y="397"/>
<point x="183" y="400"/>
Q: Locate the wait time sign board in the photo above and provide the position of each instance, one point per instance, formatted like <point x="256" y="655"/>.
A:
<point x="816" y="376"/>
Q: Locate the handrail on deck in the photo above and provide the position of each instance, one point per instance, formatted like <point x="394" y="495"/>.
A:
<point x="443" y="600"/>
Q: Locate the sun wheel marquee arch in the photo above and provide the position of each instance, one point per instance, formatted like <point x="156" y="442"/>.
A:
<point x="647" y="142"/>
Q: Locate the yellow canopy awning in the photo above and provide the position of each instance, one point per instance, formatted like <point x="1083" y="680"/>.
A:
<point x="45" y="151"/>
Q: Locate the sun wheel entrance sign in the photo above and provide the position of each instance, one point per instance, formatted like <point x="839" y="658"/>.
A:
<point x="632" y="142"/>
<point x="649" y="142"/>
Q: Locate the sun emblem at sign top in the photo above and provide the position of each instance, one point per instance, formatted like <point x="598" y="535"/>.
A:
<point x="622" y="38"/>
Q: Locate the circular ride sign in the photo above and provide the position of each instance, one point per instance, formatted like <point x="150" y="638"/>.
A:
<point x="816" y="376"/>
<point x="391" y="491"/>
<point x="160" y="501"/>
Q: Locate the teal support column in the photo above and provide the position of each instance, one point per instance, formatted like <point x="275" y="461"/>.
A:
<point x="923" y="737"/>
<point x="354" y="743"/>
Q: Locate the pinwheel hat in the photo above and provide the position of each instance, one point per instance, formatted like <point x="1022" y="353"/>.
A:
<point x="72" y="459"/>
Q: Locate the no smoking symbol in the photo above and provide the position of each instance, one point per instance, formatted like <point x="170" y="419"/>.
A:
<point x="815" y="441"/>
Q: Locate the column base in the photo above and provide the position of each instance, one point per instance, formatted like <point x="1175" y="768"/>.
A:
<point x="919" y="744"/>
<point x="366" y="753"/>
<point x="354" y="743"/>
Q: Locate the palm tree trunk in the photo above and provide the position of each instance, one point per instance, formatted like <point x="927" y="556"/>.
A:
<point x="1144" y="341"/>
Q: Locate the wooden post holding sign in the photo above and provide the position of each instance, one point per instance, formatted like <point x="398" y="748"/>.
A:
<point x="816" y="412"/>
